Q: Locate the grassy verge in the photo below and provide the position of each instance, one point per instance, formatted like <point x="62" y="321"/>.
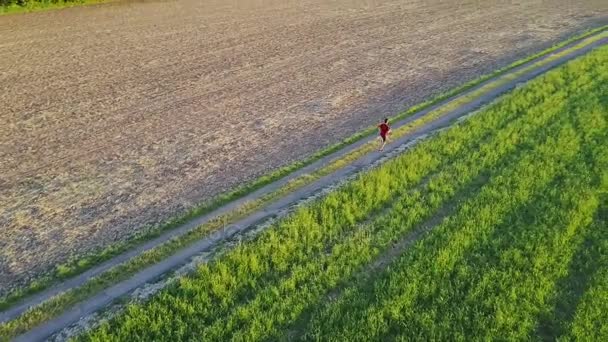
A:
<point x="45" y="5"/>
<point x="60" y="303"/>
<point x="259" y="289"/>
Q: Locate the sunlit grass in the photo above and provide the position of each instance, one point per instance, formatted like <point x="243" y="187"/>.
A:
<point x="44" y="5"/>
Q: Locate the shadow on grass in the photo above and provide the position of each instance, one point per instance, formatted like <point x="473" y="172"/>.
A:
<point x="366" y="279"/>
<point x="570" y="289"/>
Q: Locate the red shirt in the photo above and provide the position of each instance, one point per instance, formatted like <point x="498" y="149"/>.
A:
<point x="384" y="128"/>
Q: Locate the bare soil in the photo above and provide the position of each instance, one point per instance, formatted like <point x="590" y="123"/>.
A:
<point x="118" y="116"/>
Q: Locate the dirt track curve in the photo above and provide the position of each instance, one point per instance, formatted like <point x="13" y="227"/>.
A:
<point x="118" y="116"/>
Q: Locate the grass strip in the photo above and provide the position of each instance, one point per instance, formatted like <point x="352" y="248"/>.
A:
<point x="45" y="5"/>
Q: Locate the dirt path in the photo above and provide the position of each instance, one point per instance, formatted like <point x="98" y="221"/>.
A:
<point x="277" y="208"/>
<point x="119" y="116"/>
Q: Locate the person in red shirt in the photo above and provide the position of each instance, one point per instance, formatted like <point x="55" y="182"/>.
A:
<point x="385" y="130"/>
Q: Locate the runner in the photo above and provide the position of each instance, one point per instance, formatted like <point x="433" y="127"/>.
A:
<point x="385" y="130"/>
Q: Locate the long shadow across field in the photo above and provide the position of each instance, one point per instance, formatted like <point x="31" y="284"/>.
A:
<point x="364" y="280"/>
<point x="570" y="289"/>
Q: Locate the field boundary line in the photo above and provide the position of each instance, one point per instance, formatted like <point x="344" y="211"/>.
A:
<point x="446" y="111"/>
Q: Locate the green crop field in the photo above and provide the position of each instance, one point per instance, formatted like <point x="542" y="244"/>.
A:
<point x="20" y="6"/>
<point x="494" y="229"/>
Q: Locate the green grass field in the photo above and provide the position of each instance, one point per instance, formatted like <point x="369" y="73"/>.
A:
<point x="23" y="6"/>
<point x="492" y="229"/>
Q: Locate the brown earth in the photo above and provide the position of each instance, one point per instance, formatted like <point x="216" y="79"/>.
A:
<point x="118" y="116"/>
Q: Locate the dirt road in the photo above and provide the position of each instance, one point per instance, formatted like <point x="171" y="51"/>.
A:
<point x="118" y="116"/>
